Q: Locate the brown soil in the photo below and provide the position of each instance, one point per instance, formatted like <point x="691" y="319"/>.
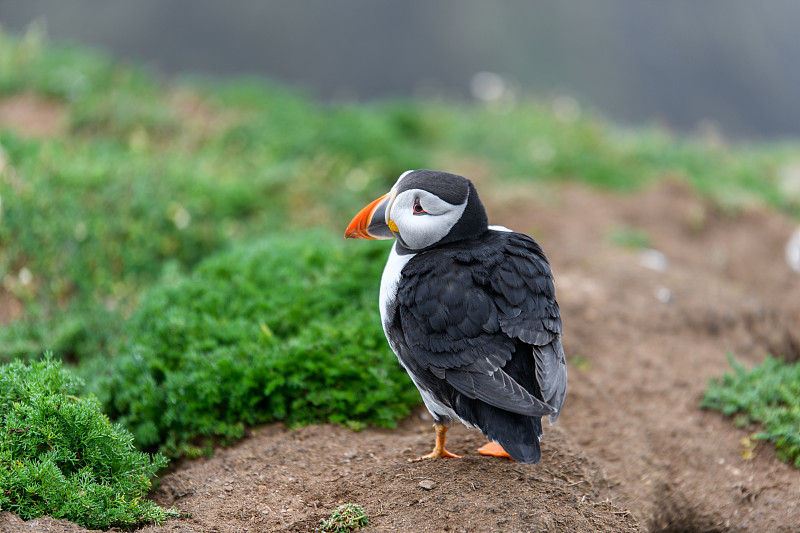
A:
<point x="10" y="307"/>
<point x="30" y="115"/>
<point x="632" y="450"/>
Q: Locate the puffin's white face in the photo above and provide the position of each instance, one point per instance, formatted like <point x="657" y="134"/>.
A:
<point x="424" y="208"/>
<point x="420" y="218"/>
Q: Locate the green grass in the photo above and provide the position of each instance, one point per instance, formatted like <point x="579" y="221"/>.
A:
<point x="60" y="456"/>
<point x="284" y="329"/>
<point x="628" y="237"/>
<point x="769" y="396"/>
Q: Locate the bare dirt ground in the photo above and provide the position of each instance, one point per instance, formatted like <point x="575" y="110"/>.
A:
<point x="632" y="450"/>
<point x="30" y="115"/>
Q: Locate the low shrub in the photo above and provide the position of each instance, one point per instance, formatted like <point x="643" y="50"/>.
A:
<point x="60" y="455"/>
<point x="283" y="329"/>
<point x="344" y="519"/>
<point x="768" y="395"/>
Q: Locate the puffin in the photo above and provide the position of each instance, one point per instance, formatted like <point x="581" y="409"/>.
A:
<point x="470" y="311"/>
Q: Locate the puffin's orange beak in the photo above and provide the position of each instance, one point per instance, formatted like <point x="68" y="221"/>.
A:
<point x="370" y="222"/>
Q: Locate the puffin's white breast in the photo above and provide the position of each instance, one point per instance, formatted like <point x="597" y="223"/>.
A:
<point x="389" y="280"/>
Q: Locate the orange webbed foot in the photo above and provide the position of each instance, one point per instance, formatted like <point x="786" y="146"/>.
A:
<point x="437" y="454"/>
<point x="439" y="451"/>
<point x="493" y="449"/>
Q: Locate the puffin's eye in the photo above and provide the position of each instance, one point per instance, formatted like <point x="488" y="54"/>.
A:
<point x="418" y="207"/>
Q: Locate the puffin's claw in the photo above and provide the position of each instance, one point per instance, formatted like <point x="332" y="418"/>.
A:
<point x="438" y="449"/>
<point x="436" y="454"/>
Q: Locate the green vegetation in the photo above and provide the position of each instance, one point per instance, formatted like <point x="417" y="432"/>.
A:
<point x="344" y="519"/>
<point x="628" y="237"/>
<point x="60" y="456"/>
<point x="767" y="395"/>
<point x="281" y="329"/>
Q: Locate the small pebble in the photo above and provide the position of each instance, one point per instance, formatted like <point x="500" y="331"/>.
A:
<point x="654" y="260"/>
<point x="663" y="294"/>
<point x="427" y="484"/>
<point x="793" y="251"/>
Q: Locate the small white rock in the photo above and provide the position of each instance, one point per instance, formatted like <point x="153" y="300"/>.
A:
<point x="427" y="484"/>
<point x="654" y="260"/>
<point x="25" y="277"/>
<point x="793" y="251"/>
<point x="663" y="294"/>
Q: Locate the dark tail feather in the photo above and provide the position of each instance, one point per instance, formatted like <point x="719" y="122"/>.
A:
<point x="517" y="434"/>
<point x="523" y="452"/>
<point x="522" y="443"/>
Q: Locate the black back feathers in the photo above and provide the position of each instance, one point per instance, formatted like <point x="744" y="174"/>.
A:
<point x="477" y="325"/>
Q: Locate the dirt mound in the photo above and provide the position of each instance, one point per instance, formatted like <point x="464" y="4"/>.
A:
<point x="281" y="480"/>
<point x="644" y="331"/>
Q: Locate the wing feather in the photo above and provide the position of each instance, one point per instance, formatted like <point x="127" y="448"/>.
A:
<point x="500" y="390"/>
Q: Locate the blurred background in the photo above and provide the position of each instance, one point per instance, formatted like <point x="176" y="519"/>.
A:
<point x="728" y="66"/>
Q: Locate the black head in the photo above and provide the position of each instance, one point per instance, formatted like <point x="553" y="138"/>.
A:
<point x="429" y="208"/>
